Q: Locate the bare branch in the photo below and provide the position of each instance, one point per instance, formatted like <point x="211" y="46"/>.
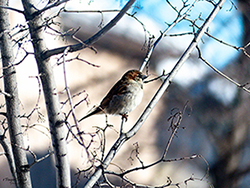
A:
<point x="158" y="77"/>
<point x="80" y="59"/>
<point x="244" y="49"/>
<point x="56" y="3"/>
<point x="242" y="86"/>
<point x="177" y="20"/>
<point x="69" y="96"/>
<point x="124" y="137"/>
<point x="175" y="120"/>
<point x="36" y="160"/>
<point x="114" y="10"/>
<point x="6" y="94"/>
<point x="218" y="40"/>
<point x="13" y="9"/>
<point x="93" y="39"/>
<point x="39" y="96"/>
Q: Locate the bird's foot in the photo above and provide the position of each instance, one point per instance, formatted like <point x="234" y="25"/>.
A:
<point x="125" y="116"/>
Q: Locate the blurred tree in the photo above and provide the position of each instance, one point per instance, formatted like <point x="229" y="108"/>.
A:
<point x="231" y="168"/>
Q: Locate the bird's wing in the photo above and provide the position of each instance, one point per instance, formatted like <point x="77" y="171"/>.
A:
<point x="118" y="89"/>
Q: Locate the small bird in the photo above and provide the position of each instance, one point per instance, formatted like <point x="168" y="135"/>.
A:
<point x="123" y="97"/>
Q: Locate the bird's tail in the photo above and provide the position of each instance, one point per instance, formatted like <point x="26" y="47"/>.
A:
<point x="93" y="111"/>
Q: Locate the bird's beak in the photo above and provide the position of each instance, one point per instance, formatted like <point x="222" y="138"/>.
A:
<point x="144" y="77"/>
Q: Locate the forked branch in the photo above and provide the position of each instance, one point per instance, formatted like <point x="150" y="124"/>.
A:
<point x="125" y="136"/>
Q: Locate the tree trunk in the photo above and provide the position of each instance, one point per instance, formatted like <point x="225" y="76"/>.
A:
<point x="56" y="120"/>
<point x="12" y="103"/>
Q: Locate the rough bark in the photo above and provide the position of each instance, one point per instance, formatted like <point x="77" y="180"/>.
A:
<point x="12" y="105"/>
<point x="56" y="120"/>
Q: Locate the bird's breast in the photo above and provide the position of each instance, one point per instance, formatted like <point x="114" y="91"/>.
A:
<point x="126" y="102"/>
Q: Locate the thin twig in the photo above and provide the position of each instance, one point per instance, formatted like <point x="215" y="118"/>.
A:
<point x="69" y="95"/>
<point x="242" y="86"/>
<point x="13" y="9"/>
<point x="53" y="5"/>
<point x="244" y="49"/>
<point x="39" y="95"/>
<point x="156" y="78"/>
<point x="5" y="93"/>
<point x="177" y="20"/>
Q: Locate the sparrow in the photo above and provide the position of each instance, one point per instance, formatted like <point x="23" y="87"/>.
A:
<point x="123" y="97"/>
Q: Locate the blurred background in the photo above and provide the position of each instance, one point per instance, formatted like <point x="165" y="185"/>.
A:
<point x="215" y="124"/>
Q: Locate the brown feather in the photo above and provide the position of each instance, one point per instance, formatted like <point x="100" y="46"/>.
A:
<point x="119" y="89"/>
